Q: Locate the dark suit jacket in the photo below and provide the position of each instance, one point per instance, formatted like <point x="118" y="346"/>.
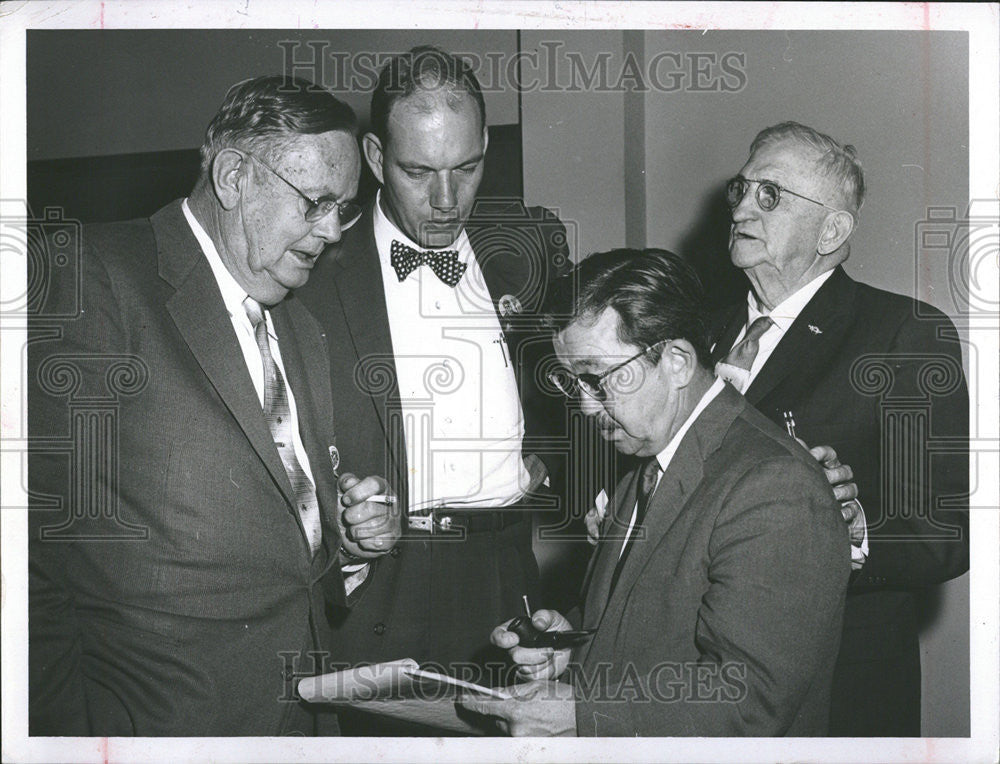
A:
<point x="171" y="588"/>
<point x="878" y="376"/>
<point x="726" y="617"/>
<point x="519" y="252"/>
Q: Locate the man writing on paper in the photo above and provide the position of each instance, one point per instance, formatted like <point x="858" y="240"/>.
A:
<point x="717" y="586"/>
<point x="876" y="376"/>
<point x="191" y="569"/>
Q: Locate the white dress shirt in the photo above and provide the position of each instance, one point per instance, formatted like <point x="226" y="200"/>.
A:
<point x="233" y="296"/>
<point x="667" y="454"/>
<point x="463" y="421"/>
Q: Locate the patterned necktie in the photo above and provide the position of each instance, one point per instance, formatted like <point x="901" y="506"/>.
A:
<point x="277" y="412"/>
<point x="647" y="484"/>
<point x="742" y="356"/>
<point x="444" y="263"/>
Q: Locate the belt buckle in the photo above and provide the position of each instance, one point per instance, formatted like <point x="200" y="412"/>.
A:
<point x="423" y="523"/>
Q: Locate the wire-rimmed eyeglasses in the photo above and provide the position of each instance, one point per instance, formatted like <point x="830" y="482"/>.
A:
<point x="768" y="193"/>
<point x="592" y="384"/>
<point x="347" y="212"/>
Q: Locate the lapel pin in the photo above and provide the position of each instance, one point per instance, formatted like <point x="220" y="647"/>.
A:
<point x="509" y="305"/>
<point x="815" y="329"/>
<point x="334" y="458"/>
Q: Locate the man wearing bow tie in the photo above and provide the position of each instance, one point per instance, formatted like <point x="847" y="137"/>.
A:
<point x="424" y="310"/>
<point x="877" y="378"/>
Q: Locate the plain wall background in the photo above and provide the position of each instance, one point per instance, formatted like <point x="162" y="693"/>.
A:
<point x="93" y="93"/>
<point x="622" y="167"/>
<point x="647" y="168"/>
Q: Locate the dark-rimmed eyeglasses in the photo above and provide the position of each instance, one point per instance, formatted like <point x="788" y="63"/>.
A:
<point x="347" y="212"/>
<point x="570" y="384"/>
<point x="768" y="193"/>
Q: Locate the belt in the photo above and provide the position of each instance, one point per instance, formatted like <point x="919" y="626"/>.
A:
<point x="455" y="521"/>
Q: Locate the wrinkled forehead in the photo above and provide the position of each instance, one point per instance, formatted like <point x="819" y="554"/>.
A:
<point x="788" y="163"/>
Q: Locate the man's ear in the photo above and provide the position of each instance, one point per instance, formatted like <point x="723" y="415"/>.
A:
<point x="680" y="360"/>
<point x="229" y="171"/>
<point x="486" y="138"/>
<point x="837" y="228"/>
<point x="374" y="155"/>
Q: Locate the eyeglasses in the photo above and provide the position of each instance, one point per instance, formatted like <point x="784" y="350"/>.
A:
<point x="768" y="193"/>
<point x="347" y="212"/>
<point x="592" y="384"/>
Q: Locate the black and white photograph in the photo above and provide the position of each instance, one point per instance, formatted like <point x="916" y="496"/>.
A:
<point x="500" y="381"/>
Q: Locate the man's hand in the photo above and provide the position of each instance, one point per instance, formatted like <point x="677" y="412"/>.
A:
<point x="368" y="529"/>
<point x="537" y="709"/>
<point x="841" y="477"/>
<point x="535" y="662"/>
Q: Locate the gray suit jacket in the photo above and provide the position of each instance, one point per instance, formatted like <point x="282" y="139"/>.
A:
<point x="171" y="588"/>
<point x="726" y="618"/>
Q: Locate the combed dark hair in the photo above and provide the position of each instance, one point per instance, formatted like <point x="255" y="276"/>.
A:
<point x="264" y="114"/>
<point x="422" y="68"/>
<point x="836" y="161"/>
<point x="656" y="294"/>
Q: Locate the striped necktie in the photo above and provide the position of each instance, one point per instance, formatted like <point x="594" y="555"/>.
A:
<point x="277" y="412"/>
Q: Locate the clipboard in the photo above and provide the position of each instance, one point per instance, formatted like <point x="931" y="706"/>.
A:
<point x="402" y="690"/>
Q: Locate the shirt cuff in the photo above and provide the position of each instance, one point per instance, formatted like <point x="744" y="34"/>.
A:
<point x="860" y="553"/>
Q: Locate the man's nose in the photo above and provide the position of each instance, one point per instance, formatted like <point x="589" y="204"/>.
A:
<point x="443" y="197"/>
<point x="328" y="228"/>
<point x="747" y="207"/>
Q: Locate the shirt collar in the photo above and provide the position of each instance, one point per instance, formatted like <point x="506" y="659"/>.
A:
<point x="786" y="311"/>
<point x="386" y="232"/>
<point x="667" y="454"/>
<point x="233" y="294"/>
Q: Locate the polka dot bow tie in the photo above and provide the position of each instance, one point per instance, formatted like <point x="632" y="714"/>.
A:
<point x="444" y="263"/>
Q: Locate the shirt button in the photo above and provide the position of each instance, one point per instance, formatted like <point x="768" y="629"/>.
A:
<point x="379" y="629"/>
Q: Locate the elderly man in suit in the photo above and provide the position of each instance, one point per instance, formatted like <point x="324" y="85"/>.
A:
<point x="184" y="563"/>
<point x="425" y="305"/>
<point x="716" y="591"/>
<point x="875" y="376"/>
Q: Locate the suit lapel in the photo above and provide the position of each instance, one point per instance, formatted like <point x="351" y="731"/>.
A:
<point x="359" y="290"/>
<point x="678" y="483"/>
<point x="201" y="318"/>
<point x="358" y="284"/>
<point x="815" y="334"/>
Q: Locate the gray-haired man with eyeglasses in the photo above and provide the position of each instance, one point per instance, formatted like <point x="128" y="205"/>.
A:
<point x="185" y="557"/>
<point x="869" y="378"/>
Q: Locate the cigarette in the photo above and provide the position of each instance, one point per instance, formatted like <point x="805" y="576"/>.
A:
<point x="382" y="498"/>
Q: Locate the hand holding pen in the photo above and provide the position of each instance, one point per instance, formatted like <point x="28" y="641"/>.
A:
<point x="540" y="662"/>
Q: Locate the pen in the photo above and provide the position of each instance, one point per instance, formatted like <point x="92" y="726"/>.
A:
<point x="527" y="608"/>
<point x="790" y="423"/>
